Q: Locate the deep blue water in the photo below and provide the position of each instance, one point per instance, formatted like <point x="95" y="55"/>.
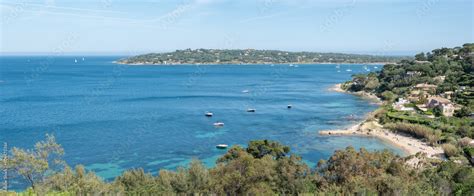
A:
<point x="112" y="117"/>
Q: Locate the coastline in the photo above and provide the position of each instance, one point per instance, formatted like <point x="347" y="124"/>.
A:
<point x="369" y="96"/>
<point x="371" y="128"/>
<point x="237" y="63"/>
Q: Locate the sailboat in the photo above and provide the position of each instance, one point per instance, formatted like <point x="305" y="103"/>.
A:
<point x="75" y="60"/>
<point x="83" y="59"/>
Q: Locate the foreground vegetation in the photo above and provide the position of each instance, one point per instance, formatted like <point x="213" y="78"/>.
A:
<point x="264" y="167"/>
<point x="250" y="56"/>
<point x="442" y="72"/>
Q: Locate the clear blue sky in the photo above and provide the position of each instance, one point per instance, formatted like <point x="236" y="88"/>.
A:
<point x="130" y="27"/>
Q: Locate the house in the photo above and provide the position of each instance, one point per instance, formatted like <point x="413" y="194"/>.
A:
<point x="440" y="79"/>
<point x="415" y="95"/>
<point x="422" y="90"/>
<point x="400" y="105"/>
<point x="447" y="108"/>
<point x="447" y="94"/>
<point x="413" y="73"/>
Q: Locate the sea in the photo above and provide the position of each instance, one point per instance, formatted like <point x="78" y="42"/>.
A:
<point x="112" y="117"/>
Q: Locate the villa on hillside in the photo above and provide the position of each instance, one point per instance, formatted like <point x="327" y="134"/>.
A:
<point x="400" y="105"/>
<point x="421" y="91"/>
<point x="448" y="94"/>
<point x="446" y="106"/>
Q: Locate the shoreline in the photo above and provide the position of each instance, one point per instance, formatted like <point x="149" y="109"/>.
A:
<point x="370" y="127"/>
<point x="369" y="96"/>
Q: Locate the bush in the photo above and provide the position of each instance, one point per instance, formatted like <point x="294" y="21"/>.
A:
<point x="388" y="95"/>
<point x="418" y="131"/>
<point x="450" y="150"/>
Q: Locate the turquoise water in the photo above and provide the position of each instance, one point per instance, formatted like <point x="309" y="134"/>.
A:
<point x="112" y="117"/>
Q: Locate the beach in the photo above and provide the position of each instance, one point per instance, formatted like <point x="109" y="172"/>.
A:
<point x="371" y="128"/>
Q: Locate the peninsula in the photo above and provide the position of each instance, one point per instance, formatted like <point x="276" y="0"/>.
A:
<point x="252" y="56"/>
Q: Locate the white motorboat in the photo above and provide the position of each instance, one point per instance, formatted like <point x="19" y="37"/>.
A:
<point x="222" y="146"/>
<point x="208" y="114"/>
<point x="218" y="124"/>
<point x="289" y="106"/>
<point x="250" y="110"/>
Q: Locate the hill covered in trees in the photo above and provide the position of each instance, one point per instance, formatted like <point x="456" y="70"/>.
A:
<point x="430" y="97"/>
<point x="251" y="56"/>
<point x="263" y="168"/>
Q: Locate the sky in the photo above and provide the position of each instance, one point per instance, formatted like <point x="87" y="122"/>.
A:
<point x="131" y="27"/>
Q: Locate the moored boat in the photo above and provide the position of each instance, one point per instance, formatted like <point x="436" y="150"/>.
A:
<point x="218" y="124"/>
<point x="222" y="146"/>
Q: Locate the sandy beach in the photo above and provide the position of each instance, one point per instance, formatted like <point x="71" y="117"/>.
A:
<point x="371" y="128"/>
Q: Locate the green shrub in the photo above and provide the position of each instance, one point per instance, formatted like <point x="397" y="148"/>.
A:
<point x="415" y="130"/>
<point x="450" y="150"/>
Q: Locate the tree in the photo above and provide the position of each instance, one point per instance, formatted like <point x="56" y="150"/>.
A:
<point x="260" y="148"/>
<point x="420" y="57"/>
<point x="463" y="112"/>
<point x="437" y="111"/>
<point x="33" y="165"/>
<point x="79" y="181"/>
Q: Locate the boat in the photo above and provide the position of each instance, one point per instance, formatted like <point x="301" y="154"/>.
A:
<point x="349" y="70"/>
<point x="250" y="110"/>
<point x="296" y="65"/>
<point x="289" y="106"/>
<point x="208" y="114"/>
<point x="218" y="124"/>
<point x="222" y="146"/>
<point x="291" y="65"/>
<point x="83" y="59"/>
<point x="75" y="60"/>
<point x="376" y="67"/>
<point x="245" y="91"/>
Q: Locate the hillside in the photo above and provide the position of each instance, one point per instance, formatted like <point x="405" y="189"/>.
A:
<point x="251" y="56"/>
<point x="430" y="98"/>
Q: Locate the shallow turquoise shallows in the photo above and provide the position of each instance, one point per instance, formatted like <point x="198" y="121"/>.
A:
<point x="111" y="117"/>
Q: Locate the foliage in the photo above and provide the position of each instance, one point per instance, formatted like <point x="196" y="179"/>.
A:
<point x="33" y="165"/>
<point x="449" y="150"/>
<point x="243" y="172"/>
<point x="261" y="148"/>
<point x="418" y="131"/>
